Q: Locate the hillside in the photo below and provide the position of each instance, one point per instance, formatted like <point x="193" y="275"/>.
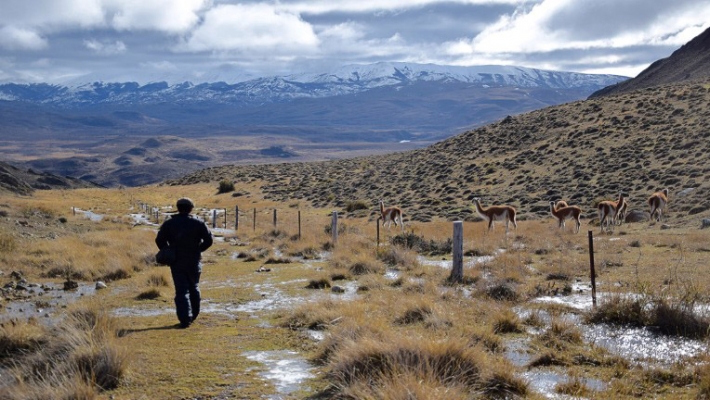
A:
<point x="689" y="63"/>
<point x="24" y="182"/>
<point x="585" y="151"/>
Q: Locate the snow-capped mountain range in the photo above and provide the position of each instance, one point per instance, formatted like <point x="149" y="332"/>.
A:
<point x="346" y="80"/>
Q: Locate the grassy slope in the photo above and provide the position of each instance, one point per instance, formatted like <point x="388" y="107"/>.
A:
<point x="583" y="152"/>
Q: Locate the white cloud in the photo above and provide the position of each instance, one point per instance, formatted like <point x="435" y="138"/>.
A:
<point x="364" y="6"/>
<point x="172" y="16"/>
<point x="160" y="66"/>
<point x="257" y="28"/>
<point x="13" y="38"/>
<point x="531" y="29"/>
<point x="117" y="47"/>
<point x="50" y="15"/>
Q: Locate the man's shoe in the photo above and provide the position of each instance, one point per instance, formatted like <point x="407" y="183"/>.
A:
<point x="184" y="325"/>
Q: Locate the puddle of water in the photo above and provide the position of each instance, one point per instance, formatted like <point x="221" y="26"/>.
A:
<point x="516" y="352"/>
<point x="90" y="215"/>
<point x="44" y="304"/>
<point x="447" y="264"/>
<point x="318" y="336"/>
<point x="141" y="219"/>
<point x="286" y="369"/>
<point x="634" y="344"/>
<point x="545" y="381"/>
<point x="641" y="344"/>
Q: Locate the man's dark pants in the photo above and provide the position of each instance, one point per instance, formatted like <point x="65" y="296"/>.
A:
<point x="187" y="293"/>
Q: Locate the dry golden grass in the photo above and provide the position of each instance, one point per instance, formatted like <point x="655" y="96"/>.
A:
<point x="394" y="317"/>
<point x="79" y="358"/>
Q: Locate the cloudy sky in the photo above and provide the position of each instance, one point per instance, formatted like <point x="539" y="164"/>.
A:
<point x="73" y="41"/>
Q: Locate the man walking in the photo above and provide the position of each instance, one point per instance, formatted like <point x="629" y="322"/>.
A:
<point x="189" y="237"/>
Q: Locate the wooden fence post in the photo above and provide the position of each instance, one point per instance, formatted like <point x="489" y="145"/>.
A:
<point x="299" y="224"/>
<point x="378" y="231"/>
<point x="334" y="227"/>
<point x="274" y="218"/>
<point x="457" y="264"/>
<point x="225" y="218"/>
<point x="236" y="218"/>
<point x="592" y="273"/>
<point x="254" y="223"/>
<point x="214" y="218"/>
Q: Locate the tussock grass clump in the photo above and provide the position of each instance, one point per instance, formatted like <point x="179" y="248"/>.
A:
<point x="150" y="294"/>
<point x="484" y="336"/>
<point x="158" y="280"/>
<point x="115" y="275"/>
<point x="432" y="247"/>
<point x="7" y="243"/>
<point x="346" y="332"/>
<point x="372" y="282"/>
<point x="669" y="317"/>
<point x="322" y="283"/>
<point x="547" y="359"/>
<point x="397" y="256"/>
<point x="573" y="387"/>
<point x="79" y="358"/>
<point x="369" y="361"/>
<point x="677" y="377"/>
<point x="679" y="318"/>
<point x="503" y="291"/>
<point x="507" y="322"/>
<point x="501" y="383"/>
<point x="364" y="265"/>
<point x="448" y="365"/>
<point x="316" y="316"/>
<point x="619" y="310"/>
<point x="20" y="337"/>
<point x="560" y="335"/>
<point x="415" y="314"/>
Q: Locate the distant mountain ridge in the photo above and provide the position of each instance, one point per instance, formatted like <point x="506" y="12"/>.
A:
<point x="24" y="182"/>
<point x="96" y="131"/>
<point x="351" y="79"/>
<point x="691" y="62"/>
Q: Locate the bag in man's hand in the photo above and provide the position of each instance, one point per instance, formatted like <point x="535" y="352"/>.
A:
<point x="166" y="256"/>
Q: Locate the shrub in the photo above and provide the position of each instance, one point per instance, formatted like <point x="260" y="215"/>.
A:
<point x="225" y="186"/>
<point x="356" y="205"/>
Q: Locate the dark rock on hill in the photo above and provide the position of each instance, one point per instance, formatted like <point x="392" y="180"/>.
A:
<point x="24" y="182"/>
<point x="688" y="63"/>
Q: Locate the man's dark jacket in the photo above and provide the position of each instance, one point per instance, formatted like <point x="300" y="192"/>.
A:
<point x="188" y="236"/>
